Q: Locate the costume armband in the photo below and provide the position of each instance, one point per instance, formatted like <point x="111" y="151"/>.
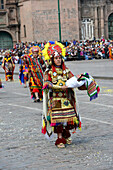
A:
<point x="56" y="87"/>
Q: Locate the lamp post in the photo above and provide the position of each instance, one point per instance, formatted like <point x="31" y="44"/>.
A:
<point x="59" y="21"/>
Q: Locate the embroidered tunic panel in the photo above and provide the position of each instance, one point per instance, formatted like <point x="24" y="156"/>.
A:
<point x="35" y="73"/>
<point x="61" y="106"/>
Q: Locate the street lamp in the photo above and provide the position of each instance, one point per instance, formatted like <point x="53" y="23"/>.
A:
<point x="59" y="20"/>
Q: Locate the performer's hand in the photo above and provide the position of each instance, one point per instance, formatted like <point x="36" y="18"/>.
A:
<point x="50" y="86"/>
<point x="64" y="87"/>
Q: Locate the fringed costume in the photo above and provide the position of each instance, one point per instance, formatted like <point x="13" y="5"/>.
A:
<point x="85" y="82"/>
<point x="8" y="66"/>
<point x="59" y="106"/>
<point x="21" y="74"/>
<point x="59" y="100"/>
<point x="23" y="70"/>
<point x="35" y="74"/>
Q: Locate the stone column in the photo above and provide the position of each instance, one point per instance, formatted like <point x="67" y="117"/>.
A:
<point x="102" y="21"/>
<point x="92" y="30"/>
<point x="106" y="23"/>
<point x="82" y="33"/>
<point x="86" y="29"/>
<point x="96" y="23"/>
<point x="17" y="36"/>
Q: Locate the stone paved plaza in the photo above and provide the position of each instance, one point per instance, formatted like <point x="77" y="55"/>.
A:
<point x="24" y="147"/>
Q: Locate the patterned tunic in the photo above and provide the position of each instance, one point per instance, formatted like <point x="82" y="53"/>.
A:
<point x="23" y="69"/>
<point x="61" y="104"/>
<point x="35" y="75"/>
<point x="8" y="66"/>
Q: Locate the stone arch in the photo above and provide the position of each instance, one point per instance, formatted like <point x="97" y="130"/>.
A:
<point x="6" y="40"/>
<point x="110" y="26"/>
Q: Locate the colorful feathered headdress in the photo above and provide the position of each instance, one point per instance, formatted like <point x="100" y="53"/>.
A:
<point x="35" y="49"/>
<point x="50" y="49"/>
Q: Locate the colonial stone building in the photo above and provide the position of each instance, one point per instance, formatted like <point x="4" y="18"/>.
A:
<point x="9" y="23"/>
<point x="96" y="19"/>
<point x="37" y="20"/>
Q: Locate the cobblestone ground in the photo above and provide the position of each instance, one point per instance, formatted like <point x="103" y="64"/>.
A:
<point x="23" y="147"/>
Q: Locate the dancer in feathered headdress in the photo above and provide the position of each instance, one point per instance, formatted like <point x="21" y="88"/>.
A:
<point x="35" y="73"/>
<point x="23" y="69"/>
<point x="8" y="66"/>
<point x="59" y="105"/>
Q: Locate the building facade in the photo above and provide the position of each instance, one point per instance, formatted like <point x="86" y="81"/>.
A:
<point x="9" y="26"/>
<point x="37" y="20"/>
<point x="96" y="19"/>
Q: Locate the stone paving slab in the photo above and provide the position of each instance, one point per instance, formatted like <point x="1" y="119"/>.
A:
<point x="97" y="68"/>
<point x="102" y="68"/>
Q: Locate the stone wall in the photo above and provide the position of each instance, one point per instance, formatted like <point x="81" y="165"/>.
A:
<point x="43" y="20"/>
<point x="37" y="20"/>
<point x="26" y="24"/>
<point x="97" y="11"/>
<point x="8" y="19"/>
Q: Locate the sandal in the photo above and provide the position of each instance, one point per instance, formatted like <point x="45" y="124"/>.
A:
<point x="60" y="143"/>
<point x="37" y="100"/>
<point x="69" y="141"/>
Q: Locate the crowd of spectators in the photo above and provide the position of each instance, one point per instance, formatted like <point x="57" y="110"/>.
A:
<point x="88" y="50"/>
<point x="75" y="50"/>
<point x="18" y="50"/>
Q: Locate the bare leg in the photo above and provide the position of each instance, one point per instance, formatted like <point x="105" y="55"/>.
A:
<point x="37" y="97"/>
<point x="25" y="83"/>
<point x="59" y="135"/>
<point x="60" y="142"/>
